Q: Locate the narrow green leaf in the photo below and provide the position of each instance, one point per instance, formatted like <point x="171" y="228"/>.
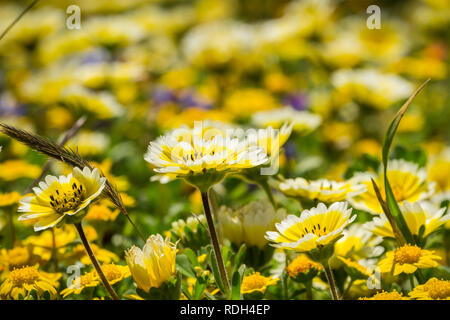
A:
<point x="236" y="283"/>
<point x="390" y="198"/>
<point x="215" y="270"/>
<point x="185" y="266"/>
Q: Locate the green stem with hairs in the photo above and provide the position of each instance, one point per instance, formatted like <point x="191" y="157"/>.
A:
<point x="331" y="282"/>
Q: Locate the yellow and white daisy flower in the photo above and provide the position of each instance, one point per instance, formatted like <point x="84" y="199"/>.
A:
<point x="315" y="228"/>
<point x="303" y="122"/>
<point x="416" y="215"/>
<point x="58" y="198"/>
<point x="322" y="190"/>
<point x="255" y="285"/>
<point x="407" y="259"/>
<point x="407" y="180"/>
<point x="202" y="156"/>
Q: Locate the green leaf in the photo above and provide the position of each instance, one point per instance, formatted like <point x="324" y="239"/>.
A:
<point x="389" y="137"/>
<point x="191" y="256"/>
<point x="239" y="258"/>
<point x="199" y="288"/>
<point x="236" y="283"/>
<point x="185" y="266"/>
<point x="215" y="270"/>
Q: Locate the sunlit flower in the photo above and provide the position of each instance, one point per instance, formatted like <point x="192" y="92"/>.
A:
<point x="89" y="143"/>
<point x="358" y="243"/>
<point x="101" y="212"/>
<point x="78" y="253"/>
<point x="154" y="264"/>
<point x="10" y="198"/>
<point x="202" y="155"/>
<point x="45" y="243"/>
<point x="113" y="273"/>
<point x="407" y="180"/>
<point x="321" y="190"/>
<point x="249" y="223"/>
<point x="438" y="169"/>
<point x="314" y="229"/>
<point x="302" y="268"/>
<point x="257" y="283"/>
<point x="14" y="169"/>
<point x="58" y="198"/>
<point x="354" y="269"/>
<point x="22" y="281"/>
<point x="407" y="259"/>
<point x="303" y="122"/>
<point x="384" y="295"/>
<point x="418" y="216"/>
<point x="433" y="289"/>
<point x="16" y="257"/>
<point x="370" y="87"/>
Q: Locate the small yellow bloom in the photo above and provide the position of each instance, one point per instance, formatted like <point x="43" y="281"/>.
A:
<point x="113" y="273"/>
<point x="358" y="243"/>
<point x="78" y="253"/>
<point x="407" y="259"/>
<point x="15" y="257"/>
<point x="56" y="199"/>
<point x="154" y="264"/>
<point x="315" y="228"/>
<point x="433" y="289"/>
<point x="354" y="269"/>
<point x="101" y="212"/>
<point x="10" y="198"/>
<point x="394" y="295"/>
<point x="302" y="264"/>
<point x="257" y="282"/>
<point x="245" y="102"/>
<point x="11" y="170"/>
<point x="22" y="281"/>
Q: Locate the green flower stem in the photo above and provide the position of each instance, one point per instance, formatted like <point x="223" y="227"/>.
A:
<point x="215" y="241"/>
<point x="12" y="229"/>
<point x="330" y="278"/>
<point x="265" y="186"/>
<point x="347" y="289"/>
<point x="54" y="251"/>
<point x="94" y="261"/>
<point x="308" y="287"/>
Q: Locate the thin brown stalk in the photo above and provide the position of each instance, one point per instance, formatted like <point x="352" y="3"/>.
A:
<point x="30" y="6"/>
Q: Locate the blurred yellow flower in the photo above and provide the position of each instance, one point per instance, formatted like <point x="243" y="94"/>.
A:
<point x="10" y="198"/>
<point x="358" y="243"/>
<point x="322" y="190"/>
<point x="14" y="169"/>
<point x="101" y="212"/>
<point x="383" y="295"/>
<point x="433" y="289"/>
<point x="245" y="102"/>
<point x="249" y="223"/>
<point x="418" y="216"/>
<point x="407" y="180"/>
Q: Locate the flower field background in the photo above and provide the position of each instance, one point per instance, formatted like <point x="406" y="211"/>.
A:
<point x="224" y="149"/>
